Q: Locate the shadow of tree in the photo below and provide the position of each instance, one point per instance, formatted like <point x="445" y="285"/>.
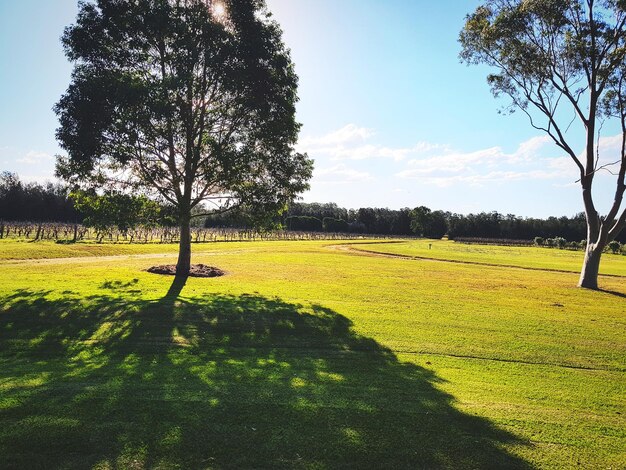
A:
<point x="612" y="292"/>
<point x="218" y="382"/>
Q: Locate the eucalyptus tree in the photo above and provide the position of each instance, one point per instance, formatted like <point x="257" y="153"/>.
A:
<point x="556" y="59"/>
<point x="189" y="101"/>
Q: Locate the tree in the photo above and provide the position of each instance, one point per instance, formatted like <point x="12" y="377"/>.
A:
<point x="119" y="210"/>
<point x="183" y="100"/>
<point x="429" y="224"/>
<point x="420" y="220"/>
<point x="367" y="217"/>
<point x="335" y="225"/>
<point x="303" y="223"/>
<point x="615" y="246"/>
<point x="554" y="58"/>
<point x="34" y="202"/>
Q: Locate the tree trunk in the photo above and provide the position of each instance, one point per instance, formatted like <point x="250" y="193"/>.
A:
<point x="184" y="251"/>
<point x="591" y="267"/>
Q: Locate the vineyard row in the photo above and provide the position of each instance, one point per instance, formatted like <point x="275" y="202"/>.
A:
<point x="76" y="232"/>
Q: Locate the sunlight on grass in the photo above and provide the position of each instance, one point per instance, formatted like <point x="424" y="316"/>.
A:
<point x="525" y="257"/>
<point x="305" y="355"/>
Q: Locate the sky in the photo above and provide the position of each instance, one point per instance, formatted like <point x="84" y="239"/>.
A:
<point x="389" y="114"/>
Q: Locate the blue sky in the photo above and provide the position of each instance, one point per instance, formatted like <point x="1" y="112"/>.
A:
<point x="390" y="115"/>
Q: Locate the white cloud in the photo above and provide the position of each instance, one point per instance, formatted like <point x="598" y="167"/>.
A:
<point x="341" y="174"/>
<point x="347" y="134"/>
<point x="609" y="152"/>
<point x="456" y="162"/>
<point x="376" y="151"/>
<point x="498" y="177"/>
<point x="33" y="157"/>
<point x="530" y="148"/>
<point x="565" y="167"/>
<point x="453" y="162"/>
<point x="491" y="166"/>
<point x="349" y="143"/>
<point x="611" y="143"/>
<point x="436" y="164"/>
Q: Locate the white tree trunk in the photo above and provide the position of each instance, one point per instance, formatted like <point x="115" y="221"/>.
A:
<point x="591" y="267"/>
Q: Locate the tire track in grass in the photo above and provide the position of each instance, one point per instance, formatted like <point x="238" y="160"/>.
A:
<point x="350" y="249"/>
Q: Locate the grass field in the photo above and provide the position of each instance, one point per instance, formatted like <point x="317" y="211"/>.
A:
<point x="514" y="256"/>
<point x="307" y="355"/>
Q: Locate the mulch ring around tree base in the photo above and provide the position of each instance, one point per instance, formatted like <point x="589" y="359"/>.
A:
<point x="196" y="270"/>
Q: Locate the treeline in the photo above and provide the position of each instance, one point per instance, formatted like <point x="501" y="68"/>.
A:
<point x="55" y="203"/>
<point x="35" y="202"/>
<point x="424" y="222"/>
<point x="52" y="203"/>
<point x="70" y="233"/>
<point x="495" y="225"/>
<point x="329" y="217"/>
<point x="420" y="221"/>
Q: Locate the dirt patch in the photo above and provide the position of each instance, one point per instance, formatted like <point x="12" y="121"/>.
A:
<point x="197" y="270"/>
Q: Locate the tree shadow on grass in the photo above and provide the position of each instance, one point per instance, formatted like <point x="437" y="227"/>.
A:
<point x="218" y="382"/>
<point x="612" y="292"/>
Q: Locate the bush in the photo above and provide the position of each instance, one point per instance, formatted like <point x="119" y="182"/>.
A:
<point x="330" y="224"/>
<point x="538" y="241"/>
<point x="303" y="224"/>
<point x="560" y="242"/>
<point x="615" y="247"/>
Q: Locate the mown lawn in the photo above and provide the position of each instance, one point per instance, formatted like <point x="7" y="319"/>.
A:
<point x="309" y="356"/>
<point x="521" y="256"/>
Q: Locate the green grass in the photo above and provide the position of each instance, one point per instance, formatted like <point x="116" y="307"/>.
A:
<point x="308" y="356"/>
<point x="522" y="256"/>
<point x="12" y="249"/>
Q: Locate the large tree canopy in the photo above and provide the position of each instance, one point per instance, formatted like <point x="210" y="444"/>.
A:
<point x="192" y="101"/>
<point x="556" y="59"/>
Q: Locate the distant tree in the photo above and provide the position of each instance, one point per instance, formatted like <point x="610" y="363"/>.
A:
<point x="429" y="224"/>
<point x="420" y="220"/>
<point x="615" y="247"/>
<point x="303" y="223"/>
<point x="573" y="245"/>
<point x="11" y="196"/>
<point x="335" y="225"/>
<point x="438" y="225"/>
<point x="190" y="101"/>
<point x="560" y="242"/>
<point x="115" y="210"/>
<point x="356" y="227"/>
<point x="35" y="202"/>
<point x="401" y="223"/>
<point x="558" y="56"/>
<point x="367" y="217"/>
